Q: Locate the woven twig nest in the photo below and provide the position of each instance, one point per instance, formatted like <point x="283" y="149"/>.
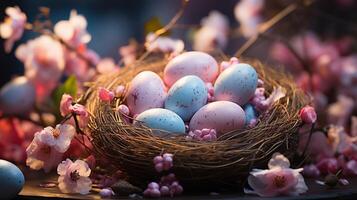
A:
<point x="230" y="157"/>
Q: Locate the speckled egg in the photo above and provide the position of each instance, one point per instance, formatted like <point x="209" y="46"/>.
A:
<point x="191" y="63"/>
<point x="224" y="116"/>
<point x="11" y="180"/>
<point x="250" y="113"/>
<point x="162" y="119"/>
<point x="17" y="97"/>
<point x="146" y="91"/>
<point x="186" y="96"/>
<point x="236" y="84"/>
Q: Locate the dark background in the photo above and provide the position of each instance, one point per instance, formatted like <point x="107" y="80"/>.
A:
<point x="113" y="22"/>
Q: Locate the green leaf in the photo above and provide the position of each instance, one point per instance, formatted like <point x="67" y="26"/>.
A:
<point x="68" y="87"/>
<point x="153" y="25"/>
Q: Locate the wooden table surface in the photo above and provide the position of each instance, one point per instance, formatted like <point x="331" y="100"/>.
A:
<point x="32" y="190"/>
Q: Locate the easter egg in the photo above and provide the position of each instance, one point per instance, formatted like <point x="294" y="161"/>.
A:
<point x="146" y="91"/>
<point x="237" y="84"/>
<point x="162" y="119"/>
<point x="191" y="63"/>
<point x="17" y="97"/>
<point x="186" y="96"/>
<point x="11" y="180"/>
<point x="250" y="113"/>
<point x="224" y="116"/>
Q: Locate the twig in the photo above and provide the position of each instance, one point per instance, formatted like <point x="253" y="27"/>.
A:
<point x="265" y="27"/>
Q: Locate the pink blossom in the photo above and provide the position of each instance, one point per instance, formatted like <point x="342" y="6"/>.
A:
<point x="74" y="177"/>
<point x="328" y="165"/>
<point x="202" y="135"/>
<point x="308" y="114"/>
<point x="107" y="65"/>
<point x="262" y="103"/>
<point x="163" y="44"/>
<point x="311" y="171"/>
<point x="248" y="13"/>
<point x="278" y="180"/>
<point x="225" y="64"/>
<point x="13" y="26"/>
<point x="44" y="62"/>
<point x="339" y="112"/>
<point x="105" y="95"/>
<point x="45" y="151"/>
<point x="79" y="67"/>
<point x="213" y="34"/>
<point x="66" y="105"/>
<point x="73" y="31"/>
<point x="129" y="53"/>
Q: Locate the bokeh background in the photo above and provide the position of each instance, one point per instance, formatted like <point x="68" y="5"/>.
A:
<point x="112" y="23"/>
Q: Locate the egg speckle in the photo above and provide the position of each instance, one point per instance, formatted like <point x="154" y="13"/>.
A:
<point x="186" y="96"/>
<point x="224" y="116"/>
<point x="161" y="119"/>
<point x="191" y="63"/>
<point x="146" y="91"/>
<point x="11" y="180"/>
<point x="236" y="84"/>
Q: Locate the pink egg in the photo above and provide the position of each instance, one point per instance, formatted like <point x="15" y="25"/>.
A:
<point x="146" y="91"/>
<point x="224" y="116"/>
<point x="191" y="63"/>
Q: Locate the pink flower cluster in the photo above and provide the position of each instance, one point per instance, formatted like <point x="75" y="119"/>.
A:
<point x="13" y="27"/>
<point x="168" y="186"/>
<point x="331" y="153"/>
<point x="68" y="106"/>
<point x="164" y="162"/>
<point x="48" y="146"/>
<point x="202" y="135"/>
<point x="328" y="67"/>
<point x="261" y="103"/>
<point x="213" y="33"/>
<point x="248" y="13"/>
<point x="163" y="44"/>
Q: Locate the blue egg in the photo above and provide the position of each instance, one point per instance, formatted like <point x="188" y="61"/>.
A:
<point x="162" y="119"/>
<point x="186" y="96"/>
<point x="250" y="113"/>
<point x="11" y="180"/>
<point x="237" y="84"/>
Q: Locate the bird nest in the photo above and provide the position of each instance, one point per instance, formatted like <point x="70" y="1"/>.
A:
<point x="229" y="158"/>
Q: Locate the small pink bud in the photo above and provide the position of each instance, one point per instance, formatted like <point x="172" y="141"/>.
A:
<point x="159" y="167"/>
<point x="153" y="185"/>
<point x="105" y="95"/>
<point x="106" y="192"/>
<point x="165" y="191"/>
<point x="123" y="109"/>
<point x="119" y="90"/>
<point x="158" y="159"/>
<point x="308" y="114"/>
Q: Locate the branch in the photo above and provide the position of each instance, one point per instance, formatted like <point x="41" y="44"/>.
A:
<point x="264" y="27"/>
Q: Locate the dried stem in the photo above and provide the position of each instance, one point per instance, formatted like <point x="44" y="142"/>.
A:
<point x="265" y="27"/>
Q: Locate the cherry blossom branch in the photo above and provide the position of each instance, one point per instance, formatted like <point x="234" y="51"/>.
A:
<point x="264" y="27"/>
<point x="166" y="28"/>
